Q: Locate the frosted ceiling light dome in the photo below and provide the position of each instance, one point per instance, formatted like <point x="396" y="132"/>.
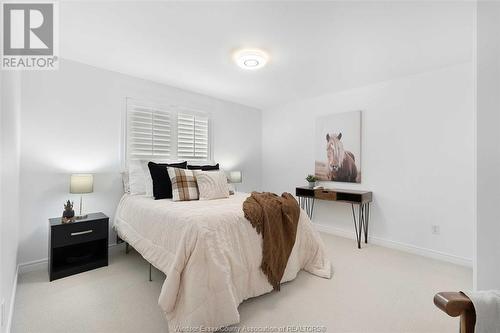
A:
<point x="251" y="59"/>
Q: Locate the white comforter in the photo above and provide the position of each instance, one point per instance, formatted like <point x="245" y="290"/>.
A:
<point x="210" y="254"/>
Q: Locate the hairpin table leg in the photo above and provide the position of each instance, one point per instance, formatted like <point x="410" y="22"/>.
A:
<point x="367" y="218"/>
<point x="358" y="223"/>
<point x="307" y="204"/>
<point x="150" y="279"/>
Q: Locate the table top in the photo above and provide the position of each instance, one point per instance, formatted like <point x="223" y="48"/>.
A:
<point x="339" y="190"/>
<point x="90" y="217"/>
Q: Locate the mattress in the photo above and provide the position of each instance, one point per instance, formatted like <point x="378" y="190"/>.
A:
<point x="211" y="255"/>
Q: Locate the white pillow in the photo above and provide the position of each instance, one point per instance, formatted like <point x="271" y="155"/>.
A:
<point x="148" y="181"/>
<point x="212" y="184"/>
<point x="125" y="182"/>
<point x="136" y="180"/>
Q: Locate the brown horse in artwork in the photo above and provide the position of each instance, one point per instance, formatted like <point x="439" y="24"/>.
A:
<point x="341" y="163"/>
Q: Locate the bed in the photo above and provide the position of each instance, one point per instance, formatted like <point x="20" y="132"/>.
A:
<point x="210" y="255"/>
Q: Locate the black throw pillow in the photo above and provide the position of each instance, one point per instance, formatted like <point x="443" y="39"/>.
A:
<point x="203" y="167"/>
<point x="210" y="167"/>
<point x="162" y="186"/>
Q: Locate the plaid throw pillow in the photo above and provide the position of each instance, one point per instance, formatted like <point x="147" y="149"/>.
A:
<point x="184" y="187"/>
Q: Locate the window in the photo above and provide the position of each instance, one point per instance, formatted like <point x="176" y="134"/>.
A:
<point x="193" y="136"/>
<point x="148" y="131"/>
<point x="162" y="133"/>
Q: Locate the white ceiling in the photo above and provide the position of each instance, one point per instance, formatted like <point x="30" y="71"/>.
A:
<point x="315" y="47"/>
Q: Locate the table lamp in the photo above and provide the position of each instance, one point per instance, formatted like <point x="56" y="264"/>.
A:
<point x="235" y="177"/>
<point x="81" y="184"/>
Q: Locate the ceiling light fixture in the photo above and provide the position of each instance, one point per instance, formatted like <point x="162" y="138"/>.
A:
<point x="251" y="59"/>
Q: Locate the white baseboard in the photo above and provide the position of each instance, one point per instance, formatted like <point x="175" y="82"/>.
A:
<point x="34" y="265"/>
<point x="397" y="246"/>
<point x="41" y="264"/>
<point x="12" y="302"/>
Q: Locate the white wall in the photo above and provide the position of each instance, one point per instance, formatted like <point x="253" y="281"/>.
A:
<point x="417" y="158"/>
<point x="9" y="187"/>
<point x="487" y="270"/>
<point x="72" y="122"/>
<point x="1" y="201"/>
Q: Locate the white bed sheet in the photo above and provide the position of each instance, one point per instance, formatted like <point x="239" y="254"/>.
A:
<point x="210" y="254"/>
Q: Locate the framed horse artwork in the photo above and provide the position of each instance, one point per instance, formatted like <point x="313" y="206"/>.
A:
<point x="338" y="147"/>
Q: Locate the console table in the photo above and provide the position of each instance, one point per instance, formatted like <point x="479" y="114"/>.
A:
<point x="362" y="199"/>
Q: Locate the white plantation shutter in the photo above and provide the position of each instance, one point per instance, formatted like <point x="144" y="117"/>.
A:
<point x="148" y="132"/>
<point x="192" y="136"/>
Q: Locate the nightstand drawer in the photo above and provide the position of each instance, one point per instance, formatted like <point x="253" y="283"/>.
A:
<point x="69" y="234"/>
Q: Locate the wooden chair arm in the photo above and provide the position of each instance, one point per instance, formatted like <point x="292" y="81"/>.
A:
<point x="457" y="304"/>
<point x="453" y="303"/>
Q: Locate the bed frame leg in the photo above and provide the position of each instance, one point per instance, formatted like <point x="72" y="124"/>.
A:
<point x="127" y="250"/>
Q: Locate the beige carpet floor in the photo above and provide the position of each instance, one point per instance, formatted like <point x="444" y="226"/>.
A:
<point x="373" y="290"/>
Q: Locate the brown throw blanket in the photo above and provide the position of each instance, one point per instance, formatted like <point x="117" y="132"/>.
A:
<point x="276" y="218"/>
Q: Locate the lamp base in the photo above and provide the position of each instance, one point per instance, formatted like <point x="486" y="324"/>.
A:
<point x="81" y="216"/>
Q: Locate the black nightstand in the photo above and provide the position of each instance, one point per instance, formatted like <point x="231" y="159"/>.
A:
<point x="78" y="246"/>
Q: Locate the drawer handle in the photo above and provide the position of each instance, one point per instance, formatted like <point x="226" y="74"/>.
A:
<point x="81" y="232"/>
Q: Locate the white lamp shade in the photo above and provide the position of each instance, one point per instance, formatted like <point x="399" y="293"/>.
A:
<point x="235" y="177"/>
<point x="80" y="184"/>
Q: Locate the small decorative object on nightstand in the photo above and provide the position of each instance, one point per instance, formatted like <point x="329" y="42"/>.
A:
<point x="68" y="213"/>
<point x="79" y="246"/>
